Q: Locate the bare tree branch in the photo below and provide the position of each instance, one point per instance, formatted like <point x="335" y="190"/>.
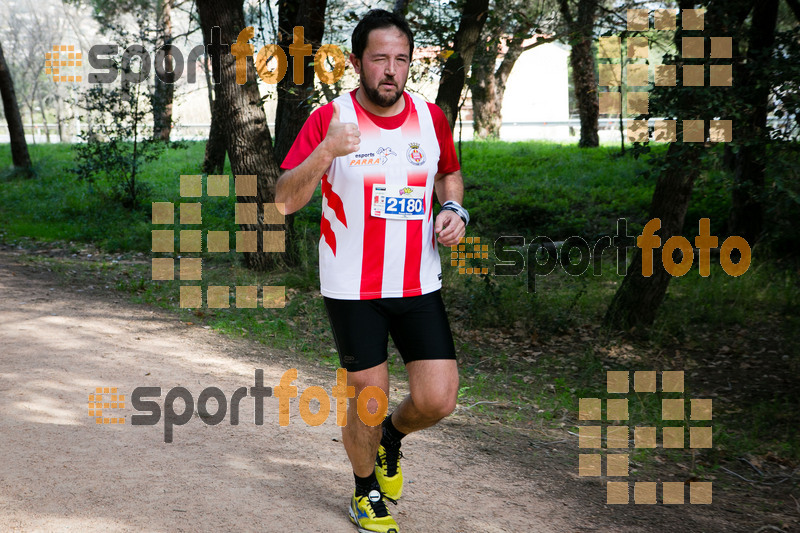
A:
<point x="544" y="40"/>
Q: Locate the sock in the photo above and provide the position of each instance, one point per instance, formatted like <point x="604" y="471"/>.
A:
<point x="391" y="435"/>
<point x="366" y="484"/>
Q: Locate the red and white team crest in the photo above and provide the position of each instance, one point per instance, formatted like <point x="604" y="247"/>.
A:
<point x="415" y="154"/>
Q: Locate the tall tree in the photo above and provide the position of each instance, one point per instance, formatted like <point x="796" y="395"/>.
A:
<point x="580" y="24"/>
<point x="30" y="31"/>
<point x="164" y="92"/>
<point x="295" y="100"/>
<point x="638" y="298"/>
<point x="247" y="137"/>
<point x="489" y="85"/>
<point x="19" y="148"/>
<point x="154" y="21"/>
<point x="214" y="158"/>
<point x="747" y="210"/>
<point x="454" y="74"/>
<point x="508" y="33"/>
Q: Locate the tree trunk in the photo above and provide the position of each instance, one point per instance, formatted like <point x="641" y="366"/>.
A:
<point x="638" y="298"/>
<point x="164" y="92"/>
<point x="486" y="117"/>
<point x="247" y="138"/>
<point x="582" y="61"/>
<point x="490" y="87"/>
<point x="33" y="124"/>
<point x="19" y="148"/>
<point x="747" y="211"/>
<point x="455" y="69"/>
<point x="214" y="159"/>
<point x="44" y="120"/>
<point x="294" y="106"/>
<point x="59" y="120"/>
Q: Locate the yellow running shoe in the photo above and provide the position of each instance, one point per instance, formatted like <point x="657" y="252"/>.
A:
<point x="370" y="515"/>
<point x="389" y="473"/>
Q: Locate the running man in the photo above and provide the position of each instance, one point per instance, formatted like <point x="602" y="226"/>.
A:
<point x="379" y="153"/>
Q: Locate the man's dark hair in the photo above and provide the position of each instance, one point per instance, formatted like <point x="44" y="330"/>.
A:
<point x="377" y="19"/>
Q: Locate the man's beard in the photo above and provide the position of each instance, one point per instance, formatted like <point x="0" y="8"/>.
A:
<point x="378" y="98"/>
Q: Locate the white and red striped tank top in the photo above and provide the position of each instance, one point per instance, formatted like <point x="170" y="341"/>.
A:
<point x="362" y="256"/>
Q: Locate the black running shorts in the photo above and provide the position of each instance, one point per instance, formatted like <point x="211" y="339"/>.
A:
<point x="361" y="328"/>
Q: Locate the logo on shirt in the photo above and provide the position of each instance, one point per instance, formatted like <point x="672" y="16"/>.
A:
<point x="384" y="154"/>
<point x="378" y="157"/>
<point x="406" y="190"/>
<point x="415" y="154"/>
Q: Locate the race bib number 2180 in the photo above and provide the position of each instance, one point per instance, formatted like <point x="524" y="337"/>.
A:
<point x="407" y="203"/>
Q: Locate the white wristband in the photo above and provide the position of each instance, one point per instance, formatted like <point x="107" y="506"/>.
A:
<point x="451" y="205"/>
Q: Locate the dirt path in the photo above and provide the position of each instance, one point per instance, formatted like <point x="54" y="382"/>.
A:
<point x="61" y="471"/>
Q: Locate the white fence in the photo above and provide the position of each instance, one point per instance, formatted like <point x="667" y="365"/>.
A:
<point x="557" y="131"/>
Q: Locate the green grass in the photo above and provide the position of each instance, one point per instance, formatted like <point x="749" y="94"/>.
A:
<point x="56" y="206"/>
<point x="528" y="348"/>
<point x="536" y="188"/>
<point x="514" y="188"/>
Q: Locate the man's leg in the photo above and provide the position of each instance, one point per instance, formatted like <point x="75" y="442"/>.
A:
<point x="360" y="440"/>
<point x="422" y="335"/>
<point x="367" y="508"/>
<point x="434" y="391"/>
<point x="361" y="333"/>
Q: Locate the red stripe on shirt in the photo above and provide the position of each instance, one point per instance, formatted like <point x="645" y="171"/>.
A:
<point x="326" y="232"/>
<point x="430" y="215"/>
<point x="448" y="161"/>
<point x="334" y="200"/>
<point x="366" y="126"/>
<point x="374" y="245"/>
<point x="410" y="128"/>
<point x="413" y="259"/>
<point x="433" y="233"/>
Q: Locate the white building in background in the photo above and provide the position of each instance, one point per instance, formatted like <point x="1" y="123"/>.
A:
<point x="537" y="91"/>
<point x="535" y="104"/>
<point x="536" y="100"/>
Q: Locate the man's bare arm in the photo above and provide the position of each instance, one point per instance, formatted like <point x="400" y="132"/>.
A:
<point x="449" y="187"/>
<point x="448" y="226"/>
<point x="296" y="186"/>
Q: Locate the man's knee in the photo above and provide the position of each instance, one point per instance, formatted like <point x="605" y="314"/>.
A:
<point x="436" y="407"/>
<point x="377" y="376"/>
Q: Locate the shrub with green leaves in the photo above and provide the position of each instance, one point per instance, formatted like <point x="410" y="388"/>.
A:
<point x="117" y="140"/>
